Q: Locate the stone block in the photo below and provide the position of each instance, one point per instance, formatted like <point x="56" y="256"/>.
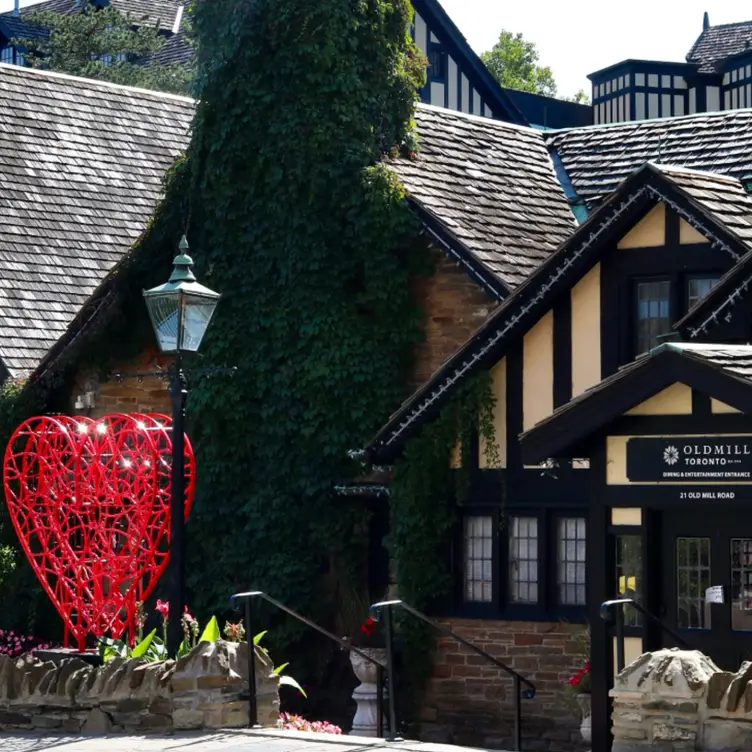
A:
<point x="669" y="733"/>
<point x="717" y="686"/>
<point x="737" y="687"/>
<point x="724" y="733"/>
<point x="161" y="706"/>
<point x="184" y="719"/>
<point x="183" y="684"/>
<point x="97" y="722"/>
<point x="217" y="682"/>
<point x="46" y="722"/>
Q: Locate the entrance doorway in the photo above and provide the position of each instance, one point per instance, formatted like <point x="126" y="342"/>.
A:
<point x="703" y="548"/>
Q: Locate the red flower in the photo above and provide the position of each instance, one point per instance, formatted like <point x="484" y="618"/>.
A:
<point x="367" y="627"/>
<point x="163" y="607"/>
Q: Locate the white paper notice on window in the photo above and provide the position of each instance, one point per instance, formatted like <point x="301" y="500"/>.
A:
<point x="714" y="594"/>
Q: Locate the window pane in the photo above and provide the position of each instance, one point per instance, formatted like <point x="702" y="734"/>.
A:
<point x="570" y="566"/>
<point x="629" y="574"/>
<point x="693" y="579"/>
<point x="653" y="316"/>
<point x="698" y="288"/>
<point x="741" y="583"/>
<point x="523" y="559"/>
<point x="477" y="560"/>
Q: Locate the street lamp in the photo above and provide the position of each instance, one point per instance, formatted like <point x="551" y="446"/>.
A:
<point x="180" y="313"/>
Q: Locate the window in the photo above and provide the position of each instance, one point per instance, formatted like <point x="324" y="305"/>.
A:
<point x="629" y="574"/>
<point x="570" y="564"/>
<point x="698" y="288"/>
<point x="6" y="55"/>
<point x="653" y="300"/>
<point x="523" y="559"/>
<point x="437" y="64"/>
<point x="741" y="583"/>
<point x="478" y="559"/>
<point x="692" y="580"/>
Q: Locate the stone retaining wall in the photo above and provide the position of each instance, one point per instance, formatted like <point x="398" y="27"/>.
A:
<point x="679" y="700"/>
<point x="202" y="690"/>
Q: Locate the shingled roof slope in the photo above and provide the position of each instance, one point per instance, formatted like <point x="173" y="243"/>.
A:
<point x="598" y="158"/>
<point x="720" y="195"/>
<point x="492" y="184"/>
<point x="177" y="49"/>
<point x="141" y="11"/>
<point x="82" y="169"/>
<point x="719" y="42"/>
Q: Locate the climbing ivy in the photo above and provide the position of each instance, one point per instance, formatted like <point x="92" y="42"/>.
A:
<point x="431" y="478"/>
<point x="298" y="219"/>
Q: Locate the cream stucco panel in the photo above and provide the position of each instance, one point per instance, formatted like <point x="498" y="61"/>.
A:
<point x="649" y="232"/>
<point x="538" y="372"/>
<point x="688" y="234"/>
<point x="673" y="400"/>
<point x="586" y="331"/>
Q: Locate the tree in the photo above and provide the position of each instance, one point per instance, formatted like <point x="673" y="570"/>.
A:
<point x="513" y="62"/>
<point x="581" y="97"/>
<point x="102" y="44"/>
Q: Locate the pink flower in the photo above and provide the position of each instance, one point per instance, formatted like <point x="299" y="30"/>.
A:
<point x="163" y="607"/>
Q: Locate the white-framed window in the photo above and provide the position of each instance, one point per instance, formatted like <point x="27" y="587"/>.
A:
<point x="477" y="540"/>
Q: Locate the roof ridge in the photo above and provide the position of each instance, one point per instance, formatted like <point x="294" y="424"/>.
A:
<point x="476" y="118"/>
<point x="664" y="167"/>
<point x="728" y="25"/>
<point x="95" y="82"/>
<point x="632" y="123"/>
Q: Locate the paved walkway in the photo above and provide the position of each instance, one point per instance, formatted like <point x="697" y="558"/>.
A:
<point x="264" y="740"/>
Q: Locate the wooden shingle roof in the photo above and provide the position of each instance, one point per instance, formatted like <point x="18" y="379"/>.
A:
<point x="719" y="42"/>
<point x="598" y="158"/>
<point x="493" y="186"/>
<point x="81" y="169"/>
<point x="163" y="12"/>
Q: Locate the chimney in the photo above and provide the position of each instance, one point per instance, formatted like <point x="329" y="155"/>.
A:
<point x="15" y="8"/>
<point x="706" y="22"/>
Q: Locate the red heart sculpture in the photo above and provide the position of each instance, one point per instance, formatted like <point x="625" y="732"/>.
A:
<point x="90" y="501"/>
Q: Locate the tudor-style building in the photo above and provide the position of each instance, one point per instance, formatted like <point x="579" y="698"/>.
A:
<point x="717" y="75"/>
<point x="582" y="361"/>
<point x="456" y="77"/>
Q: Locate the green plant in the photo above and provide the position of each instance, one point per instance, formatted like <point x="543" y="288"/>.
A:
<point x="424" y="498"/>
<point x="102" y="44"/>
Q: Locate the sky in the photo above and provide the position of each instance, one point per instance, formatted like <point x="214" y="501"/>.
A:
<point x="577" y="38"/>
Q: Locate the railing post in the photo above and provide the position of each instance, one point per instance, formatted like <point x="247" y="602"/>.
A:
<point x="380" y="701"/>
<point x="390" y="673"/>
<point x="619" y="615"/>
<point x="517" y="714"/>
<point x="252" y="700"/>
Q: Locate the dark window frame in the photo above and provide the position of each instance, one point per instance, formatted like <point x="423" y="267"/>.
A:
<point x="437" y="51"/>
<point x="547" y="608"/>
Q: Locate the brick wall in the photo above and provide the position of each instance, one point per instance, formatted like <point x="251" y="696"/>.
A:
<point x="454" y="307"/>
<point x="150" y="394"/>
<point x="470" y="702"/>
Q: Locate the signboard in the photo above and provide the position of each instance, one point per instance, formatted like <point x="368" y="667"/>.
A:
<point x="690" y="459"/>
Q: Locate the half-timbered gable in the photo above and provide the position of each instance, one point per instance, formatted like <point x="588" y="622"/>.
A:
<point x="459" y="80"/>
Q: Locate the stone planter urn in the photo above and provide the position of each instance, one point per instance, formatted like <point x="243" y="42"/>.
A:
<point x="583" y="700"/>
<point x="365" y="722"/>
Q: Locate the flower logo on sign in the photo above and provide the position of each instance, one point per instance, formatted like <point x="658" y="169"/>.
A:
<point x="670" y="455"/>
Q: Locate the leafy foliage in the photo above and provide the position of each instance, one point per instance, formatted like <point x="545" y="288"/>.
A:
<point x="306" y="232"/>
<point x="513" y="62"/>
<point x="423" y="509"/>
<point x="102" y="44"/>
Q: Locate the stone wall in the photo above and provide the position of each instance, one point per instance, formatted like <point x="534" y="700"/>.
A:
<point x="149" y="394"/>
<point x="679" y="700"/>
<point x="202" y="690"/>
<point x="454" y="307"/>
<point x="470" y="702"/>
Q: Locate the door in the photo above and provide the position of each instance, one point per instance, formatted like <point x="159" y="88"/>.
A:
<point x="703" y="548"/>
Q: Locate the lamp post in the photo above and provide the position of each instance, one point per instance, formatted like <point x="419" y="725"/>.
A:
<point x="180" y="311"/>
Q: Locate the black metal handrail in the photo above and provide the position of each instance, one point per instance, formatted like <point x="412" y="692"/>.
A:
<point x="343" y="642"/>
<point x="518" y="679"/>
<point x="616" y="607"/>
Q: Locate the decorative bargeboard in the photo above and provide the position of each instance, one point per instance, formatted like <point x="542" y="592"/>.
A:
<point x="90" y="502"/>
